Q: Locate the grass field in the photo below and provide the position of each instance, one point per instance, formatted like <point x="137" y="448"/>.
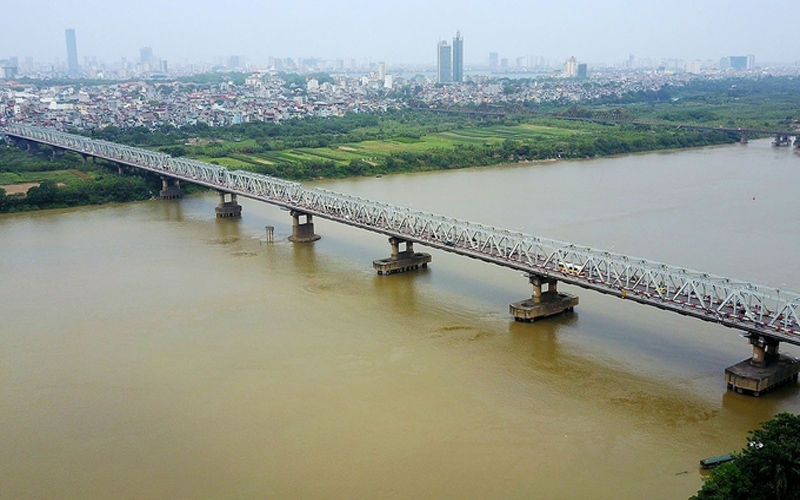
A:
<point x="58" y="176"/>
<point x="548" y="132"/>
<point x="371" y="151"/>
<point x="229" y="162"/>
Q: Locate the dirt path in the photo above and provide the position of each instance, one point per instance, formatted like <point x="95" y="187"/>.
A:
<point x="18" y="188"/>
<point x="80" y="174"/>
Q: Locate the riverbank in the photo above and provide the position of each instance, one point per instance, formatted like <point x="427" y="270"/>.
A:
<point x="450" y="149"/>
<point x="350" y="146"/>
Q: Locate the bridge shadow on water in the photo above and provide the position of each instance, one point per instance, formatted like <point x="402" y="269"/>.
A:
<point x="551" y="356"/>
<point x="539" y="340"/>
<point x="171" y="210"/>
<point x="401" y="289"/>
<point x="305" y="258"/>
<point x="762" y="408"/>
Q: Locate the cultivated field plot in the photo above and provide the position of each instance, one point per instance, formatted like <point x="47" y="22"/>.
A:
<point x="375" y="150"/>
<point x="57" y="176"/>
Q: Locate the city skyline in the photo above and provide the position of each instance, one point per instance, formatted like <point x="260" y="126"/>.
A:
<point x="180" y="31"/>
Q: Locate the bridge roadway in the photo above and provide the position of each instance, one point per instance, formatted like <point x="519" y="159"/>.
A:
<point x="758" y="310"/>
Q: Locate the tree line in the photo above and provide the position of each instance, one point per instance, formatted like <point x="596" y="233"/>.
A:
<point x="93" y="184"/>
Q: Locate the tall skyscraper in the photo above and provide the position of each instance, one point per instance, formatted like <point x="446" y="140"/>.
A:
<point x="458" y="58"/>
<point x="146" y="55"/>
<point x="738" y="62"/>
<point x="494" y="60"/>
<point x="444" y="63"/>
<point x="571" y="67"/>
<point x="72" y="53"/>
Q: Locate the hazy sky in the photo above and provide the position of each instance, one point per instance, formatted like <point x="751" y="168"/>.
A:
<point x="403" y="31"/>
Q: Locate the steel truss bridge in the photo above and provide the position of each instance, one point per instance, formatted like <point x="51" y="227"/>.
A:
<point x="754" y="309"/>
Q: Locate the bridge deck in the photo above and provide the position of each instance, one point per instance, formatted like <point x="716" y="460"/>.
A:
<point x="749" y="307"/>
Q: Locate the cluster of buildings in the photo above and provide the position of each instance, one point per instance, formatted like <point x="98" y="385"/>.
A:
<point x="601" y="85"/>
<point x="268" y="97"/>
<point x="153" y="104"/>
<point x="150" y="97"/>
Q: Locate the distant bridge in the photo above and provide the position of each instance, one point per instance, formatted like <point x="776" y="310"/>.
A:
<point x="619" y="116"/>
<point x="767" y="315"/>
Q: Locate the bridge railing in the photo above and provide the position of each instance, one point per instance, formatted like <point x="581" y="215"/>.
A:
<point x="753" y="308"/>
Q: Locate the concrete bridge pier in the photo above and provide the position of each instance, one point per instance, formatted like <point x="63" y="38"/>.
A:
<point x="764" y="370"/>
<point x="743" y="137"/>
<point x="401" y="261"/>
<point x="170" y="192"/>
<point x="797" y="141"/>
<point x="543" y="303"/>
<point x="781" y="140"/>
<point x="228" y="208"/>
<point x="302" y="232"/>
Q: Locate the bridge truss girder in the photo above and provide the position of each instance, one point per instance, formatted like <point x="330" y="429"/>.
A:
<point x="755" y="309"/>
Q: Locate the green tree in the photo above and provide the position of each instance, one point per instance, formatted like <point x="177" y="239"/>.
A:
<point x="43" y="194"/>
<point x="768" y="468"/>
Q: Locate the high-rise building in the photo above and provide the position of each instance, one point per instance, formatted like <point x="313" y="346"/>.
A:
<point x="146" y="55"/>
<point x="8" y="70"/>
<point x="571" y="67"/>
<point x="72" y="53"/>
<point x="444" y="63"/>
<point x="738" y="62"/>
<point x="458" y="58"/>
<point x="583" y="71"/>
<point x="494" y="59"/>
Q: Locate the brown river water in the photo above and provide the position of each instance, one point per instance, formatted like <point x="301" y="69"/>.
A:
<point x="151" y="351"/>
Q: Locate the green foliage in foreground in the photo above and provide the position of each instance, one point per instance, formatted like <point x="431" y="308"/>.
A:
<point x="48" y="194"/>
<point x="767" y="469"/>
<point x="83" y="184"/>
